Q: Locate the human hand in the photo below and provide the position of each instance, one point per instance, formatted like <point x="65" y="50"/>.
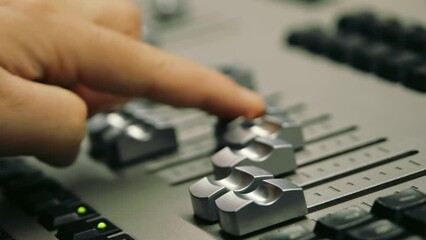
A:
<point x="61" y="59"/>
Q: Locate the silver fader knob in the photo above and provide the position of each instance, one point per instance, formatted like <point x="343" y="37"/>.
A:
<point x="205" y="192"/>
<point x="272" y="155"/>
<point x="272" y="202"/>
<point x="240" y="131"/>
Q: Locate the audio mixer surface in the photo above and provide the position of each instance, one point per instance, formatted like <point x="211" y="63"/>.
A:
<point x="339" y="154"/>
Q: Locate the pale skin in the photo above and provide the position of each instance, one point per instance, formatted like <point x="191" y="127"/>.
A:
<point x="62" y="60"/>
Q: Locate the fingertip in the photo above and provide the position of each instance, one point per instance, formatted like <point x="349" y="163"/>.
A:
<point x="252" y="103"/>
<point x="60" y="160"/>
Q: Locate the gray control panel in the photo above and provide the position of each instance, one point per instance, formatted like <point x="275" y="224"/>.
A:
<point x="340" y="154"/>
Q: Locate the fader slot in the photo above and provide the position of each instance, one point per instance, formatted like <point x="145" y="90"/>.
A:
<point x="316" y="120"/>
<point x="313" y="136"/>
<point x="313" y="153"/>
<point x="337" y="167"/>
<point x="360" y="184"/>
<point x="188" y="136"/>
<point x="335" y="146"/>
<point x="199" y="150"/>
<point x="366" y="202"/>
<point x="192" y="152"/>
<point x="187" y="172"/>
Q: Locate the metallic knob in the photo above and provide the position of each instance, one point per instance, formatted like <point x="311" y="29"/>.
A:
<point x="272" y="155"/>
<point x="140" y="140"/>
<point x="130" y="135"/>
<point x="241" y="131"/>
<point x="205" y="192"/>
<point x="272" y="202"/>
<point x="103" y="128"/>
<point x="166" y="10"/>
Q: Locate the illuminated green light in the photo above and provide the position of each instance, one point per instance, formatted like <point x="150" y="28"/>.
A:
<point x="101" y="225"/>
<point x="81" y="210"/>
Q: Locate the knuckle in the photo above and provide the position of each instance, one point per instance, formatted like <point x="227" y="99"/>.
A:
<point x="130" y="10"/>
<point x="129" y="13"/>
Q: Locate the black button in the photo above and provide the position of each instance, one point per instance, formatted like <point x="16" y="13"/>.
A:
<point x="416" y="78"/>
<point x="294" y="232"/>
<point x="36" y="194"/>
<point x="415" y="219"/>
<point x="392" y="206"/>
<point x="17" y="187"/>
<point x="315" y="40"/>
<point x="4" y="235"/>
<point x="83" y="230"/>
<point x="57" y="216"/>
<point x="391" y="31"/>
<point x="35" y="202"/>
<point x="363" y="23"/>
<point x="415" y="39"/>
<point x="340" y="48"/>
<point x="367" y="58"/>
<point x="396" y="67"/>
<point x="17" y="171"/>
<point x="378" y="230"/>
<point x="297" y="38"/>
<point x="335" y="225"/>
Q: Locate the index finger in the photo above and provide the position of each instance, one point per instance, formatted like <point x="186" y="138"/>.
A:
<point x="111" y="62"/>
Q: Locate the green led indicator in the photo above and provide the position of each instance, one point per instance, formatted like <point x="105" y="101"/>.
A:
<point x="81" y="210"/>
<point x="101" y="225"/>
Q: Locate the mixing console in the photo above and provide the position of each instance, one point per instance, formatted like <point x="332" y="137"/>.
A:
<point x="339" y="154"/>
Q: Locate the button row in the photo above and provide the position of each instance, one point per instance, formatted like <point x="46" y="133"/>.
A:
<point x="56" y="208"/>
<point x="352" y="45"/>
<point x="390" y="31"/>
<point x="130" y="135"/>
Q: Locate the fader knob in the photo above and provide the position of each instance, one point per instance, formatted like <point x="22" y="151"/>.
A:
<point x="241" y="131"/>
<point x="103" y="128"/>
<point x="130" y="136"/>
<point x="141" y="140"/>
<point x="272" y="155"/>
<point x="272" y="202"/>
<point x="205" y="192"/>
